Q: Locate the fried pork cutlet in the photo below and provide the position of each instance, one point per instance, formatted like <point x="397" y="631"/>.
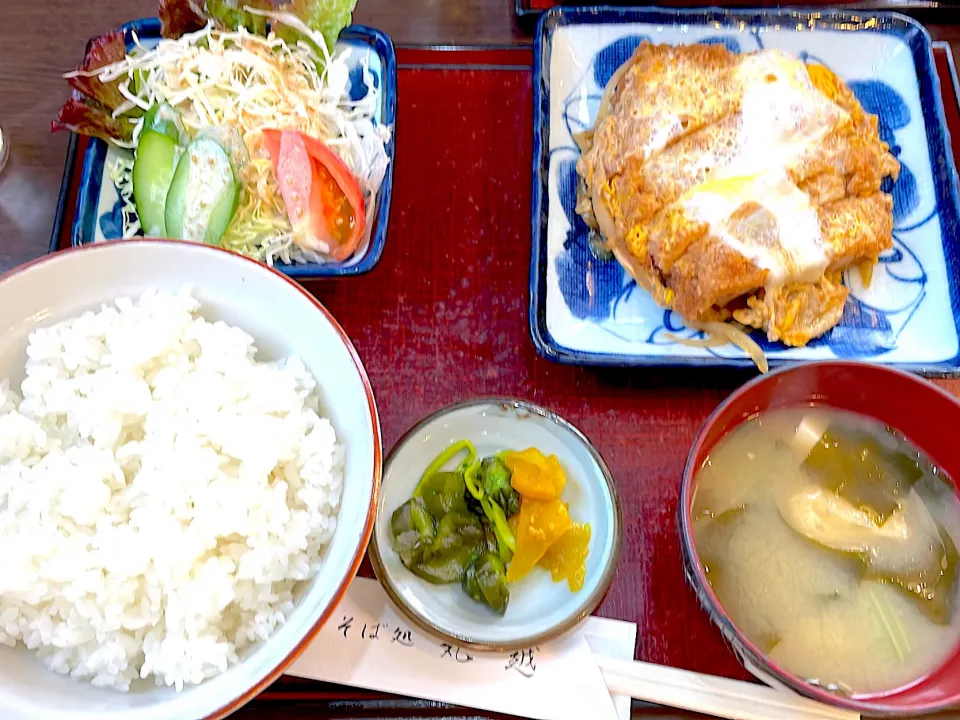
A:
<point x="737" y="186"/>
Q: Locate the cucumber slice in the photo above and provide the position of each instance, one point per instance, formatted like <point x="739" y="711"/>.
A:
<point x="164" y="118"/>
<point x="153" y="168"/>
<point x="203" y="195"/>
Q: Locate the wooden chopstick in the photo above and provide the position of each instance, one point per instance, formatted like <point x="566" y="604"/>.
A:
<point x="710" y="695"/>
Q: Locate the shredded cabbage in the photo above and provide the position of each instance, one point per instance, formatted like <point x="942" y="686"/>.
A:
<point x="248" y="82"/>
<point x="121" y="173"/>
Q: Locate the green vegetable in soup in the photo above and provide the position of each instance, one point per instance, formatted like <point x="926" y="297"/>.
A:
<point x="863" y="471"/>
<point x="879" y="512"/>
<point x="933" y="590"/>
<point x="891" y="624"/>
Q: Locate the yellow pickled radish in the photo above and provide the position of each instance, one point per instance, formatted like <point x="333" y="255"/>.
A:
<point x="541" y="524"/>
<point x="535" y="475"/>
<point x="567" y="557"/>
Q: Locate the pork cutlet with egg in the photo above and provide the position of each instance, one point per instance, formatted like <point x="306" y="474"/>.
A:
<point x="737" y="186"/>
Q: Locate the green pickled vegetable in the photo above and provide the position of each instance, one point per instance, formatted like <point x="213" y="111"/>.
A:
<point x="471" y="477"/>
<point x="457" y="530"/>
<point x="471" y="540"/>
<point x="446" y="568"/>
<point x="498" y="522"/>
<point x="437" y="552"/>
<point x="460" y="536"/>
<point x="486" y="582"/>
<point x="443" y="458"/>
<point x="414" y="531"/>
<point x="203" y="195"/>
<point x="490" y="538"/>
<point x="469" y="582"/>
<point x="495" y="483"/>
<point x="442" y="493"/>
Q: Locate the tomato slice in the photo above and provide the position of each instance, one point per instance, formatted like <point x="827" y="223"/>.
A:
<point x="322" y="198"/>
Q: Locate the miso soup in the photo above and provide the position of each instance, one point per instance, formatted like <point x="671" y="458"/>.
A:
<point x="831" y="543"/>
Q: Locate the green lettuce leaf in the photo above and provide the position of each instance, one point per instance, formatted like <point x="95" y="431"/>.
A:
<point x="230" y="14"/>
<point x="328" y="17"/>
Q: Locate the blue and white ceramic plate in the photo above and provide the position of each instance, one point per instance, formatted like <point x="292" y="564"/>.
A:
<point x="98" y="215"/>
<point x="588" y="311"/>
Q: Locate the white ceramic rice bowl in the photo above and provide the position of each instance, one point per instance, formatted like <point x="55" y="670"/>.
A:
<point x="283" y="319"/>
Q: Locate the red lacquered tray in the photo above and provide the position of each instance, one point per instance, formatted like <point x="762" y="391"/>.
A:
<point x="443" y="317"/>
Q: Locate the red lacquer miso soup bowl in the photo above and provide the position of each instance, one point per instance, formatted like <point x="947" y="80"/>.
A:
<point x="927" y="416"/>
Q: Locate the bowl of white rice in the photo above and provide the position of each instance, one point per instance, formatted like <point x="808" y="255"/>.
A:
<point x="190" y="459"/>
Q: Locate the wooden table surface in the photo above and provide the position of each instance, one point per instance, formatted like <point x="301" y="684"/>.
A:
<point x="452" y="257"/>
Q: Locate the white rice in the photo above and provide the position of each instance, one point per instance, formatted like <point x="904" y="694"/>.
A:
<point x="161" y="492"/>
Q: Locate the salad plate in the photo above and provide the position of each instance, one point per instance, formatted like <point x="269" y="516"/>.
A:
<point x="586" y="310"/>
<point x="370" y="60"/>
